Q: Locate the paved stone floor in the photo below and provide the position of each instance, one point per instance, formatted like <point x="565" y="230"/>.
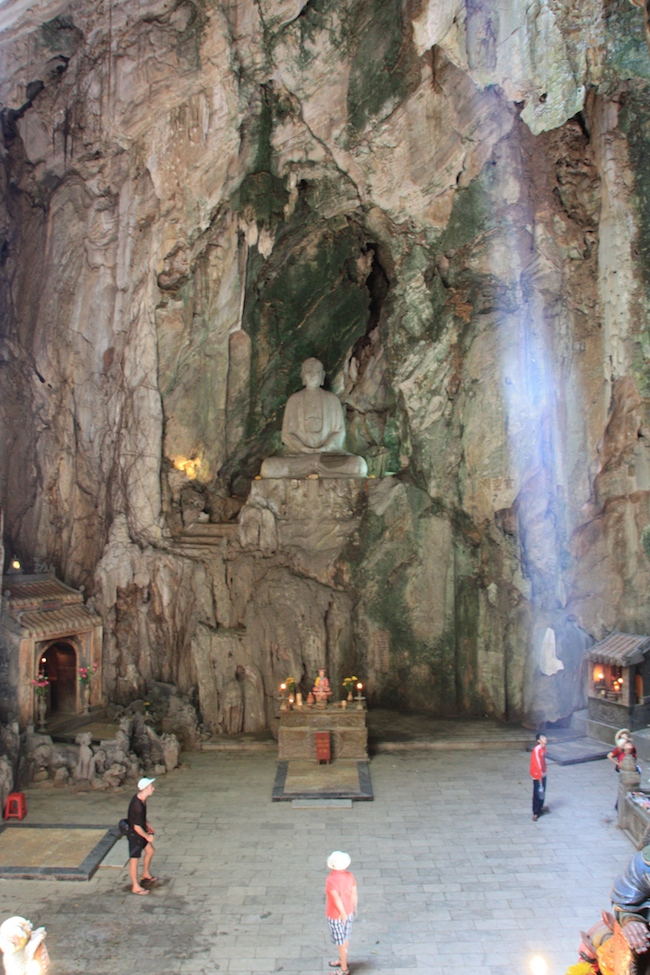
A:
<point x="453" y="875"/>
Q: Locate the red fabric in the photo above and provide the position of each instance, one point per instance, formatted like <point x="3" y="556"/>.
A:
<point x="342" y="881"/>
<point x="538" y="762"/>
<point x="618" y="753"/>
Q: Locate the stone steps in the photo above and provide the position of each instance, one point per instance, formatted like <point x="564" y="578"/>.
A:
<point x="207" y="534"/>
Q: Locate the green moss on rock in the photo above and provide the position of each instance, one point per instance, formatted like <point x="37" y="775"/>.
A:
<point x="60" y="36"/>
<point x="385" y="68"/>
<point x="645" y="540"/>
<point x="316" y="18"/>
<point x="625" y="44"/>
<point x="262" y="193"/>
<point x="305" y="300"/>
<point x="265" y="195"/>
<point x="467" y="630"/>
<point x="472" y="212"/>
<point x="387" y="557"/>
<point x="634" y="120"/>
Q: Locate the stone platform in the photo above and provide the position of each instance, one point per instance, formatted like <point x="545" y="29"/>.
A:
<point x="306" y="780"/>
<point x="573" y="751"/>
<point x="346" y="726"/>
<point x="30" y="851"/>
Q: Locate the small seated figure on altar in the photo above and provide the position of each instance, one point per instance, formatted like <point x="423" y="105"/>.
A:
<point x="313" y="432"/>
<point x="322" y="690"/>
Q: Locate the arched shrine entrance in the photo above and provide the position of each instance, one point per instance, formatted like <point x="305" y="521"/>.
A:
<point x="46" y="627"/>
<point x="59" y="663"/>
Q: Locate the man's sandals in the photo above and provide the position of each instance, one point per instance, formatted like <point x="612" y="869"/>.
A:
<point x="145" y="882"/>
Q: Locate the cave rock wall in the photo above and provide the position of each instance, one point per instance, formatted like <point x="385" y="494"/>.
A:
<point x="447" y="203"/>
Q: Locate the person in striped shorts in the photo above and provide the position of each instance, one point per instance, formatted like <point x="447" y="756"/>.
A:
<point x="341" y="901"/>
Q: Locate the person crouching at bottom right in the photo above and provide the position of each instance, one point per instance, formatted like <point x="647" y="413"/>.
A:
<point x="341" y="900"/>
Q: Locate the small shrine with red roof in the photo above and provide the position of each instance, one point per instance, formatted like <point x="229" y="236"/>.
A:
<point x="618" y="684"/>
<point x="50" y="646"/>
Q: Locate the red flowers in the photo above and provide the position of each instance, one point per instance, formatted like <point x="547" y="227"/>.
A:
<point x="41" y="683"/>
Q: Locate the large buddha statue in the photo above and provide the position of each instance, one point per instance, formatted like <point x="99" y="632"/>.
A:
<point x="313" y="432"/>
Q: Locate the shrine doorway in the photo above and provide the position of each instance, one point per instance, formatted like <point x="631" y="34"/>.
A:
<point x="59" y="664"/>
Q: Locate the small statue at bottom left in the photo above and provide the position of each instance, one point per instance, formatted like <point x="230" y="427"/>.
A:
<point x="23" y="948"/>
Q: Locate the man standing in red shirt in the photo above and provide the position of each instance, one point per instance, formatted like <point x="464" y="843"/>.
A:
<point x="538" y="775"/>
<point x="340" y="905"/>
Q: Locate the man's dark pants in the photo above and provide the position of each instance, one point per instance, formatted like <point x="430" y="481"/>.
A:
<point x="539" y="792"/>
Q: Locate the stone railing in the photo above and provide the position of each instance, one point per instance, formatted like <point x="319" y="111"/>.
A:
<point x="633" y="817"/>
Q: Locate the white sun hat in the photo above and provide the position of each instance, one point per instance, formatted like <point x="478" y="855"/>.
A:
<point x="339" y="860"/>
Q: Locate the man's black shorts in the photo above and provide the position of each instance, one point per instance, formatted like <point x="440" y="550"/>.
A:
<point x="137" y="844"/>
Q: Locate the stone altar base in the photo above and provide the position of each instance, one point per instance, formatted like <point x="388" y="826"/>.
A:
<point x="303" y="779"/>
<point x="346" y="727"/>
<point x="299" y="774"/>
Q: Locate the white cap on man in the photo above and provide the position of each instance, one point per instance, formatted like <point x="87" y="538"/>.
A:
<point x="143" y="783"/>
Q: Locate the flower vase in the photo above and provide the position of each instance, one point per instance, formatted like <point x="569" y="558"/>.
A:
<point x="41" y="708"/>
<point x="350" y="696"/>
<point x="85" y="697"/>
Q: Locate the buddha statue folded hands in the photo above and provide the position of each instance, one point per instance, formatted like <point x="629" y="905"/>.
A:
<point x="313" y="432"/>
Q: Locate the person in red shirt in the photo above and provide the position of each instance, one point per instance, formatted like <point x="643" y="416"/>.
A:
<point x="538" y="775"/>
<point x="617" y="753"/>
<point x="341" y="901"/>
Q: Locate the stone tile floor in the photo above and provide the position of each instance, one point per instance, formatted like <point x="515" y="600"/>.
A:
<point x="454" y="876"/>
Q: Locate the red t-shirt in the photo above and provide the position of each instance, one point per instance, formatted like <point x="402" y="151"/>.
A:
<point x="538" y="762"/>
<point x="342" y="881"/>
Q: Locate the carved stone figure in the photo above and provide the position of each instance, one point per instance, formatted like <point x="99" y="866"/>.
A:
<point x="123" y="735"/>
<point x="85" y="768"/>
<point x="6" y="779"/>
<point x="630" y="900"/>
<point x="10" y="741"/>
<point x="313" y="431"/>
<point x="21" y="945"/>
<point x="232" y="708"/>
<point x="253" y="688"/>
<point x="171" y="751"/>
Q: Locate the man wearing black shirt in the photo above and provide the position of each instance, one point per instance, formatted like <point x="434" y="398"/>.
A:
<point x="140" y="836"/>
